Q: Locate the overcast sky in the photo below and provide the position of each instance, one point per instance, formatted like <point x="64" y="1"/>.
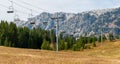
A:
<point x="51" y="6"/>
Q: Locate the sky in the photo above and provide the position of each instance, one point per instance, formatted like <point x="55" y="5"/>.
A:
<point x="23" y="7"/>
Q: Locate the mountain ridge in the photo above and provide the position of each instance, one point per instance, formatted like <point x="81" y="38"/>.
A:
<point x="78" y="23"/>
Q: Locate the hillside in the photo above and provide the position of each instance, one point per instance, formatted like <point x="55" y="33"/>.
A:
<point x="108" y="53"/>
<point x="78" y="23"/>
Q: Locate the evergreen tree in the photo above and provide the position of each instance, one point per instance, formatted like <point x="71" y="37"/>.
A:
<point x="6" y="43"/>
<point x="13" y="33"/>
<point x="63" y="45"/>
<point x="75" y="47"/>
<point x="99" y="39"/>
<point x="111" y="37"/>
<point x="70" y="42"/>
<point x="93" y="42"/>
<point x="104" y="38"/>
<point x="0" y="42"/>
<point x="89" y="40"/>
<point x="45" y="45"/>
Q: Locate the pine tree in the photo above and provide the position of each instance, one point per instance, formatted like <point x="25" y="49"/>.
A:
<point x="75" y="47"/>
<point x="63" y="45"/>
<point x="111" y="37"/>
<point x="93" y="42"/>
<point x="89" y="40"/>
<point x="99" y="39"/>
<point x="45" y="45"/>
<point x="13" y="32"/>
<point x="6" y="43"/>
<point x="0" y="42"/>
<point x="70" y="42"/>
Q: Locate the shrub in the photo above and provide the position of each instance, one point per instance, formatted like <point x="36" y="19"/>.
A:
<point x="75" y="47"/>
<point x="63" y="45"/>
<point x="45" y="45"/>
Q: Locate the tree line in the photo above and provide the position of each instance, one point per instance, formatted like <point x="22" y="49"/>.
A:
<point x="23" y="37"/>
<point x="37" y="38"/>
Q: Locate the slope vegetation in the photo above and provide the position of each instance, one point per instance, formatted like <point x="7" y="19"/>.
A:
<point x="107" y="53"/>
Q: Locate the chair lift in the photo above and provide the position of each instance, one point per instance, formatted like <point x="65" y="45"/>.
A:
<point x="45" y="23"/>
<point x="63" y="31"/>
<point x="55" y="26"/>
<point x="32" y="23"/>
<point x="74" y="32"/>
<point x="31" y="15"/>
<point x="16" y="18"/>
<point x="11" y="9"/>
<point x="71" y="35"/>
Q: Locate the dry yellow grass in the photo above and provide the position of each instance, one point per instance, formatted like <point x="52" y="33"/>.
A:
<point x="108" y="53"/>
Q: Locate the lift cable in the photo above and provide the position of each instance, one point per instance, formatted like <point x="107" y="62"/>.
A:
<point x="3" y="6"/>
<point x="23" y="6"/>
<point x="31" y="5"/>
<point x="11" y="9"/>
<point x="14" y="9"/>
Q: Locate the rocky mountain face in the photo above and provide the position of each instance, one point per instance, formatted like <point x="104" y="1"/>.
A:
<point x="91" y="22"/>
